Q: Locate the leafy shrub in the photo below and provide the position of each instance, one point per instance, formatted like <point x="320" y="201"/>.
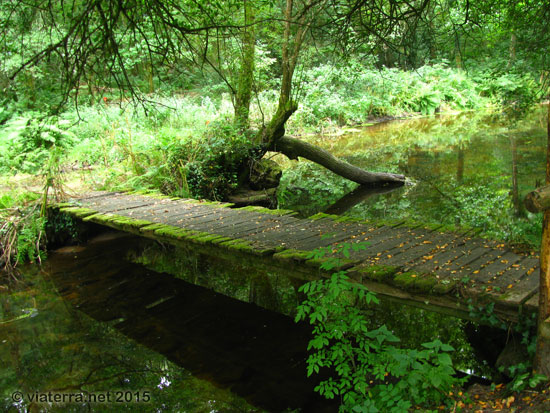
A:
<point x="27" y="142"/>
<point x="518" y="91"/>
<point x="370" y="372"/>
<point x="210" y="168"/>
<point x="30" y="240"/>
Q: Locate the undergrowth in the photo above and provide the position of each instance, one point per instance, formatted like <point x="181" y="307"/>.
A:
<point x="368" y="370"/>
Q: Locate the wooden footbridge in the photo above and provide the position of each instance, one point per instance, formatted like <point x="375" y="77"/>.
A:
<point x="443" y="271"/>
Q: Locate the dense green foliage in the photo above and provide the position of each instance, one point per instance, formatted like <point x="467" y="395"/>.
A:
<point x="372" y="373"/>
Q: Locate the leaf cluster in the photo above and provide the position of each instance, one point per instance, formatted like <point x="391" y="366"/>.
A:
<point x="366" y="367"/>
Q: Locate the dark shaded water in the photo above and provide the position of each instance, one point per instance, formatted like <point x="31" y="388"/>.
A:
<point x="191" y="348"/>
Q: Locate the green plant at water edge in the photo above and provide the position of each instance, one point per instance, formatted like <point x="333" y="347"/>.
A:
<point x="368" y="370"/>
<point x="30" y="239"/>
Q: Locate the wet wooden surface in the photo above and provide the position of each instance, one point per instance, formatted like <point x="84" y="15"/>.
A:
<point x="479" y="266"/>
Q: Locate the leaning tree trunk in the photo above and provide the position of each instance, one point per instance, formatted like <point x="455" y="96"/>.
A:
<point x="293" y="148"/>
<point x="272" y="136"/>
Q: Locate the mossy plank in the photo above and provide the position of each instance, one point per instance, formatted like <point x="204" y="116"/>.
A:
<point x="444" y="286"/>
<point x="321" y="215"/>
<point x="172" y="232"/>
<point x="278" y="212"/>
<point x="381" y="273"/>
<point x="151" y="228"/>
<point x="425" y="283"/>
<point x="337" y="265"/>
<point x="292" y="255"/>
<point x="78" y="212"/>
<point x="405" y="280"/>
<point x="60" y="205"/>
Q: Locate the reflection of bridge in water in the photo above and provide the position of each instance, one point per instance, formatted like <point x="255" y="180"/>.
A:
<point x="257" y="354"/>
<point x="442" y="271"/>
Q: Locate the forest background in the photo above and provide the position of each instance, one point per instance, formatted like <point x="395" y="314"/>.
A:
<point x="187" y="98"/>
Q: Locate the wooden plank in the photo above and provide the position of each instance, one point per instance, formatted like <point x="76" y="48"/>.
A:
<point x="266" y="224"/>
<point x="276" y="233"/>
<point x="443" y="255"/>
<point x="327" y="233"/>
<point x="344" y="236"/>
<point x="231" y="222"/>
<point x="525" y="289"/>
<point x="96" y="195"/>
<point x="532" y="304"/>
<point x="164" y="209"/>
<point x="513" y="274"/>
<point x="212" y="219"/>
<point x="490" y="272"/>
<point x="424" y="247"/>
<point x="382" y="242"/>
<point x="393" y="243"/>
<point x="474" y="254"/>
<point x="122" y="205"/>
<point x="182" y="206"/>
<point x="145" y="212"/>
<point x="180" y="220"/>
<point x="243" y="228"/>
<point x="116" y="198"/>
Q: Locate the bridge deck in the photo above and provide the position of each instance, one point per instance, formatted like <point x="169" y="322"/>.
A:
<point x="415" y="264"/>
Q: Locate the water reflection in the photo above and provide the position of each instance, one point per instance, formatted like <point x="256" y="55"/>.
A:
<point x="459" y="168"/>
<point x="257" y="354"/>
<point x="358" y="195"/>
<point x="47" y="345"/>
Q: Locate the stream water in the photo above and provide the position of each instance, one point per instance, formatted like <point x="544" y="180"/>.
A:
<point x="468" y="170"/>
<point x="174" y="331"/>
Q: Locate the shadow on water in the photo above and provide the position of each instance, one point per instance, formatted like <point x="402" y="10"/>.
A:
<point x="256" y="353"/>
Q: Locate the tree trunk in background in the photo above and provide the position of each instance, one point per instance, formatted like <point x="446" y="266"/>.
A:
<point x="541" y="363"/>
<point x="293" y="148"/>
<point x="512" y="55"/>
<point x="460" y="164"/>
<point x="243" y="95"/>
<point x="515" y="187"/>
